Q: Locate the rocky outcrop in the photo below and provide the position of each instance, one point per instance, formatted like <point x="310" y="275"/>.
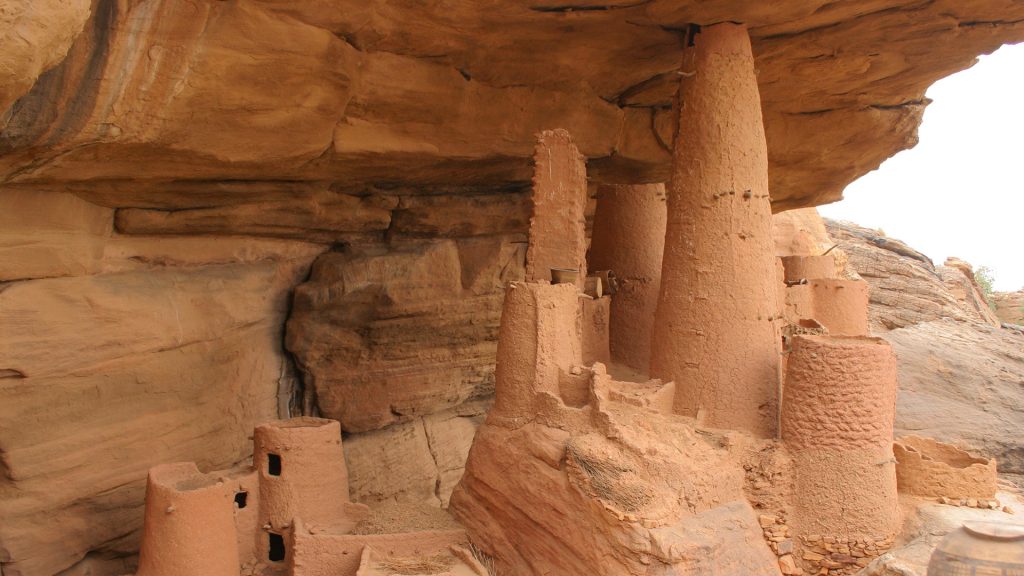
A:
<point x="611" y="489"/>
<point x="906" y="287"/>
<point x="1010" y="306"/>
<point x="357" y="93"/>
<point x="419" y="461"/>
<point x="208" y="152"/>
<point x="116" y="354"/>
<point x="960" y="281"/>
<point x="388" y="333"/>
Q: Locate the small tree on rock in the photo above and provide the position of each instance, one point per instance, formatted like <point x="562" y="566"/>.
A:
<point x="985" y="279"/>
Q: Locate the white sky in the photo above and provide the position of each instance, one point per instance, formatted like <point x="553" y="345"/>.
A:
<point x="960" y="191"/>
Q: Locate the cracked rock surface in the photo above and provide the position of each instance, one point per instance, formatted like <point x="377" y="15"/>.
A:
<point x="169" y="94"/>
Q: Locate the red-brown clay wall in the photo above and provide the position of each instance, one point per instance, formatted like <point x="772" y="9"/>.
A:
<point x="558" y="222"/>
<point x="798" y="302"/>
<point x="244" y="480"/>
<point x="715" y="331"/>
<point x="927" y="467"/>
<point x="837" y="419"/>
<point x="799" y="268"/>
<point x="628" y="238"/>
<point x="325" y="554"/>
<point x="841" y="305"/>
<point x="594" y="329"/>
<point x="312" y="483"/>
<point x="539" y="337"/>
<point x="189" y="526"/>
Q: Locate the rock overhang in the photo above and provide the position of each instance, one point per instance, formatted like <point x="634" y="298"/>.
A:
<point x="166" y="96"/>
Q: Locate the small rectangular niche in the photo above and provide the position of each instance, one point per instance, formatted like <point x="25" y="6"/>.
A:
<point x="241" y="499"/>
<point x="276" y="549"/>
<point x="273" y="464"/>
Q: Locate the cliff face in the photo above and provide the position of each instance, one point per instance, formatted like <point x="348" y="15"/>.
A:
<point x="155" y="99"/>
<point x="118" y="353"/>
<point x="1010" y="306"/>
<point x="170" y="171"/>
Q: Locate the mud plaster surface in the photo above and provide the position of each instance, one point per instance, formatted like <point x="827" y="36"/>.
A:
<point x="628" y="238"/>
<point x="716" y="336"/>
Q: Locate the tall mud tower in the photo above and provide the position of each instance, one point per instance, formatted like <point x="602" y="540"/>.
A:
<point x="715" y="333"/>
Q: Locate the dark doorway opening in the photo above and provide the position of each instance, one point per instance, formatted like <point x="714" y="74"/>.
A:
<point x="276" y="547"/>
<point x="273" y="464"/>
<point x="241" y="499"/>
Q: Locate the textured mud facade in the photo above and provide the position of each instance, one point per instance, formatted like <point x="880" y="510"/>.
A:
<point x="628" y="238"/>
<point x="717" y="281"/>
<point x="181" y="504"/>
<point x="559" y="206"/>
<point x="837" y="419"/>
<point x="539" y="339"/>
<point x="927" y="467"/>
<point x="301" y="470"/>
<point x="289" y="514"/>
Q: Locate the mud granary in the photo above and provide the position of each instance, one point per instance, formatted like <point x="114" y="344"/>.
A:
<point x="318" y="238"/>
<point x="756" y="358"/>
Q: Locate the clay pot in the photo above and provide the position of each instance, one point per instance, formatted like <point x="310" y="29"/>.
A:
<point x="980" y="548"/>
<point x="564" y="275"/>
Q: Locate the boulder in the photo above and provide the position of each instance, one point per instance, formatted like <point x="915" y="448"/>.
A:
<point x="386" y="334"/>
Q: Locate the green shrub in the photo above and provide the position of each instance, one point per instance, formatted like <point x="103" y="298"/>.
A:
<point x="985" y="279"/>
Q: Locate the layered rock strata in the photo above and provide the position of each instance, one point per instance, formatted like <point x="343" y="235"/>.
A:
<point x="906" y="287"/>
<point x="118" y="353"/>
<point x="387" y="334"/>
<point x="274" y="92"/>
<point x="1010" y="307"/>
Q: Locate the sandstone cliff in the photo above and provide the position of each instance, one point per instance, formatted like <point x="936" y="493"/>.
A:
<point x="156" y="100"/>
<point x="118" y="353"/>
<point x="170" y="170"/>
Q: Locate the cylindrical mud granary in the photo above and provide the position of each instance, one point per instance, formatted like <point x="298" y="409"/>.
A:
<point x="190" y="524"/>
<point x="628" y="239"/>
<point x="838" y="408"/>
<point x="539" y="336"/>
<point x="302" y="474"/>
<point x="715" y="329"/>
<point x="841" y="306"/>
